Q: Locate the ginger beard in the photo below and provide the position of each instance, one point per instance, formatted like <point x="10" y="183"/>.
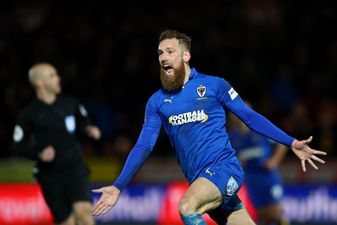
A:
<point x="174" y="81"/>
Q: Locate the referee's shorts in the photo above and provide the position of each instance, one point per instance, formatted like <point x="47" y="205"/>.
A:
<point x="62" y="190"/>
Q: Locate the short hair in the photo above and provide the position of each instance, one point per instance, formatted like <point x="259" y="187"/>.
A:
<point x="181" y="37"/>
<point x="37" y="71"/>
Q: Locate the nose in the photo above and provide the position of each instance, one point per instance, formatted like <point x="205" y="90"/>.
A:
<point x="163" y="61"/>
<point x="58" y="78"/>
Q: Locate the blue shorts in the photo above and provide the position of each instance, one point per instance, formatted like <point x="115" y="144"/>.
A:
<point x="228" y="177"/>
<point x="264" y="188"/>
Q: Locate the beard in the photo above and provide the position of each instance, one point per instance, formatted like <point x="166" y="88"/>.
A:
<point x="173" y="82"/>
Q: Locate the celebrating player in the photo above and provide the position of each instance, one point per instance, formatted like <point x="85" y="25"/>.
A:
<point x="190" y="107"/>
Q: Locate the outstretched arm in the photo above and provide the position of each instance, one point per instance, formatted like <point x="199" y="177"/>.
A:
<point x="262" y="125"/>
<point x="135" y="160"/>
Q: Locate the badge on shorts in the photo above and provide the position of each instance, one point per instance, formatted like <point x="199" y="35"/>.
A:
<point x="70" y="123"/>
<point x="232" y="186"/>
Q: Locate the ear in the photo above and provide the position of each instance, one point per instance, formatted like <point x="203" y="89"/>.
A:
<point x="38" y="83"/>
<point x="186" y="56"/>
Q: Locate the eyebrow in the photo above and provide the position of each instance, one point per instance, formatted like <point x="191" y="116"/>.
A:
<point x="167" y="48"/>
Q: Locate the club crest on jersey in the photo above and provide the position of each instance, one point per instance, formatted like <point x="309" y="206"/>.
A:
<point x="201" y="90"/>
<point x="188" y="117"/>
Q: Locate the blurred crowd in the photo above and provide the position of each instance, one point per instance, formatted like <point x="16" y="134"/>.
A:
<point x="281" y="55"/>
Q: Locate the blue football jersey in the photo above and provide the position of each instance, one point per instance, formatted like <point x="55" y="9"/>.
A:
<point x="194" y="119"/>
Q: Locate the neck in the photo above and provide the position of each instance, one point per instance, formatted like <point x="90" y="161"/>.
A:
<point x="187" y="73"/>
<point x="48" y="98"/>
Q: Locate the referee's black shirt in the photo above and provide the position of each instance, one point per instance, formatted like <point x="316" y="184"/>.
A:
<point x="56" y="124"/>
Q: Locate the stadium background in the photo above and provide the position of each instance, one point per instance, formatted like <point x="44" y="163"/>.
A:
<point x="280" y="55"/>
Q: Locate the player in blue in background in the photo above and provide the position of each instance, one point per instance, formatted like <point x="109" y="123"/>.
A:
<point x="190" y="107"/>
<point x="260" y="158"/>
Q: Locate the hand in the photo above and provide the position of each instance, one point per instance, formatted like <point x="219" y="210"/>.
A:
<point x="270" y="164"/>
<point x="109" y="198"/>
<point x="47" y="154"/>
<point x="243" y="162"/>
<point x="305" y="153"/>
<point x="93" y="132"/>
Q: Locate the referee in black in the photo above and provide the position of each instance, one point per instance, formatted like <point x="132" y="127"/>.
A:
<point x="46" y="132"/>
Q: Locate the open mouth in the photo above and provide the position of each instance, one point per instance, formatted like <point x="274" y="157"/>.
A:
<point x="168" y="68"/>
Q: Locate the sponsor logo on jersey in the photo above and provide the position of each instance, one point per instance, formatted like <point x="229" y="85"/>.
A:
<point x="232" y="93"/>
<point x="188" y="117"/>
<point x="168" y="99"/>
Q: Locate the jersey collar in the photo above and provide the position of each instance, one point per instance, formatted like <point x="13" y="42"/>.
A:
<point x="193" y="73"/>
